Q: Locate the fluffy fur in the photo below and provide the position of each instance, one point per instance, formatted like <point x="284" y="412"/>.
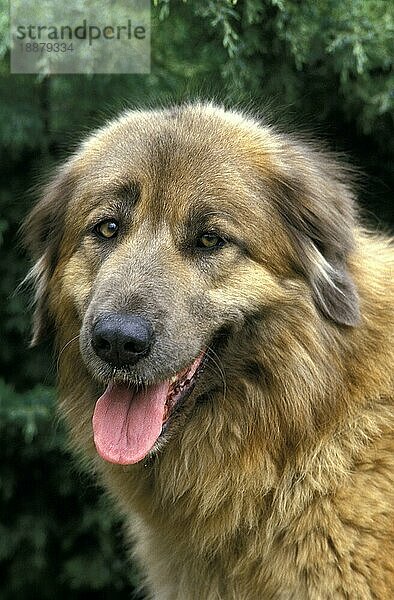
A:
<point x="276" y="478"/>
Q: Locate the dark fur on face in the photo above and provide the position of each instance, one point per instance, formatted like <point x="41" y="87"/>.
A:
<point x="237" y="250"/>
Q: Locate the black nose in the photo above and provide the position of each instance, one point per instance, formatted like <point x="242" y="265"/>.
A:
<point x="121" y="339"/>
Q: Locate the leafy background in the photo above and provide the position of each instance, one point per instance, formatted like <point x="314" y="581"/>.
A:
<point x="322" y="64"/>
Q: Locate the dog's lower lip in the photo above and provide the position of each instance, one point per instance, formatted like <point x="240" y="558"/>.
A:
<point x="178" y="393"/>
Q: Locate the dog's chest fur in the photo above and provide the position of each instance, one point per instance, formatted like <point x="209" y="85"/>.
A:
<point x="205" y="531"/>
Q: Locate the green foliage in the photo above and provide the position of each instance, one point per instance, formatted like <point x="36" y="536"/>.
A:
<point x="327" y="62"/>
<point x="57" y="534"/>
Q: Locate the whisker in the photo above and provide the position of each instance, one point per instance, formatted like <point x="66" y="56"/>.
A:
<point x="219" y="367"/>
<point x="63" y="349"/>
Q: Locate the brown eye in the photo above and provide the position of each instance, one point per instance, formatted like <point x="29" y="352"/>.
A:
<point x="106" y="229"/>
<point x="210" y="241"/>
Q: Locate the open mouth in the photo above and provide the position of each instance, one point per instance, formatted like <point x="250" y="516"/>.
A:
<point x="127" y="421"/>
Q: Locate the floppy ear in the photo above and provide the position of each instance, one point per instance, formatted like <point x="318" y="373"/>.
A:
<point x="316" y="204"/>
<point x="42" y="233"/>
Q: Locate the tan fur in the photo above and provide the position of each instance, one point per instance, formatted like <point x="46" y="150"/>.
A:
<point x="280" y="484"/>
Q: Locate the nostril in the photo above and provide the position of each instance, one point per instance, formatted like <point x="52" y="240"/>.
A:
<point x="101" y="343"/>
<point x="136" y="346"/>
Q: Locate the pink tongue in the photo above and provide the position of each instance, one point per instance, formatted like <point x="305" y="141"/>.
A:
<point x="126" y="423"/>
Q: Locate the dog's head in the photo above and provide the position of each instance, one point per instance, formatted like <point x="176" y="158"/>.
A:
<point x="167" y="241"/>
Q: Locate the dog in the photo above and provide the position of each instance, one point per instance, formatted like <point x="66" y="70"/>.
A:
<point x="224" y="328"/>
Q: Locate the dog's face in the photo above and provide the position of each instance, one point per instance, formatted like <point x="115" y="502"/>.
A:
<point x="165" y="243"/>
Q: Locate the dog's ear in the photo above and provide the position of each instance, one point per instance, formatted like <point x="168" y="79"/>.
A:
<point x="42" y="232"/>
<point x="315" y="201"/>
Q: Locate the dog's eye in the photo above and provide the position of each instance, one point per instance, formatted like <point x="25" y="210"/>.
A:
<point x="106" y="229"/>
<point x="210" y="240"/>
